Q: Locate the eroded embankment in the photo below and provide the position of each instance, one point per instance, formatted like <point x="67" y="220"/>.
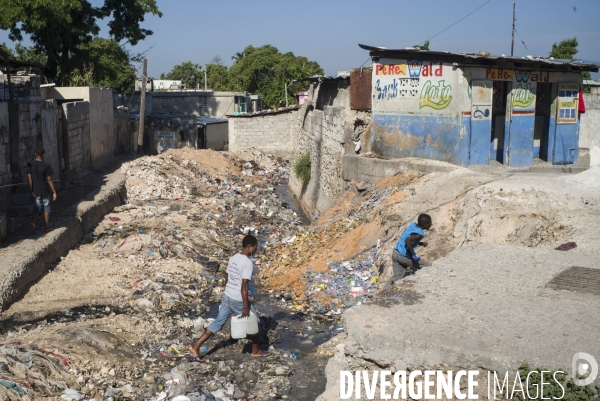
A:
<point x="515" y="212"/>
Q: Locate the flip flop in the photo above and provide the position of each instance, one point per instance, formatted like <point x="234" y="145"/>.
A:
<point x="196" y="358"/>
<point x="263" y="354"/>
<point x="48" y="230"/>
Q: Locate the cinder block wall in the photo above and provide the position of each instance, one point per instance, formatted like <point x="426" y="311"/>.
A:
<point x="269" y="133"/>
<point x="77" y="126"/>
<point x="324" y="127"/>
<point x="589" y="130"/>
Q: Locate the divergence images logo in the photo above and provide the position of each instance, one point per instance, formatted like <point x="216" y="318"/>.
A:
<point x="584" y="363"/>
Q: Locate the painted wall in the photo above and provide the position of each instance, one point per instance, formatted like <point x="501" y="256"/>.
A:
<point x="469" y="115"/>
<point x="417" y="111"/>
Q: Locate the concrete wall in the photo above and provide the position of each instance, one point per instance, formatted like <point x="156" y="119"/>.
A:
<point x="5" y="174"/>
<point x="269" y="132"/>
<point x="125" y="133"/>
<point x="102" y="137"/>
<point x="589" y="132"/>
<point x="76" y="133"/>
<point x="324" y="128"/>
<point x="216" y="134"/>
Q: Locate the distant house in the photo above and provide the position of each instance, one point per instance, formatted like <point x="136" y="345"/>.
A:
<point x="469" y="109"/>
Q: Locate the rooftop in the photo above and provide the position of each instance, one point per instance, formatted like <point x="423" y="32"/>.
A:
<point x="484" y="59"/>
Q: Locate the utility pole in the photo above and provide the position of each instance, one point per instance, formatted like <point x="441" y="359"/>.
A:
<point x="142" y="108"/>
<point x="512" y="45"/>
<point x="206" y="79"/>
<point x="286" y="100"/>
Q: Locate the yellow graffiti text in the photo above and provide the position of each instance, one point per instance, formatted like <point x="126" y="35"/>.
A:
<point x="437" y="97"/>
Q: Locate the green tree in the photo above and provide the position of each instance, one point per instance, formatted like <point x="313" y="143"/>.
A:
<point x="266" y="71"/>
<point x="106" y="63"/>
<point x="218" y="77"/>
<point x="28" y="54"/>
<point x="189" y="73"/>
<point x="566" y="50"/>
<point x="57" y="28"/>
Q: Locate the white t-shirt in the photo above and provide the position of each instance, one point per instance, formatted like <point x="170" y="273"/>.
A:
<point x="239" y="267"/>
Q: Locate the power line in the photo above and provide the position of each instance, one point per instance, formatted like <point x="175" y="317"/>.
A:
<point x="521" y="39"/>
<point x="444" y="30"/>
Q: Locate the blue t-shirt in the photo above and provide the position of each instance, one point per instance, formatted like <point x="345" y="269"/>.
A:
<point x="413" y="228"/>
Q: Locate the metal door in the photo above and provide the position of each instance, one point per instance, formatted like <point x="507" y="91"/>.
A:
<point x="519" y="143"/>
<point x="481" y="121"/>
<point x="566" y="137"/>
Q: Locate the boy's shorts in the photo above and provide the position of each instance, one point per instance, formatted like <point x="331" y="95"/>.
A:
<point x="42" y="203"/>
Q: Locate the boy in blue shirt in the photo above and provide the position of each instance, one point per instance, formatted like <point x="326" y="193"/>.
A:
<point x="404" y="255"/>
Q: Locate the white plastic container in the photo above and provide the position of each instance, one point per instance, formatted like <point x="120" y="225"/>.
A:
<point x="252" y="324"/>
<point x="238" y="326"/>
<point x="243" y="326"/>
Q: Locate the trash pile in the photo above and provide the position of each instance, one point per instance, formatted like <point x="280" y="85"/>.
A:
<point x="30" y="372"/>
<point x="346" y="283"/>
<point x="166" y="250"/>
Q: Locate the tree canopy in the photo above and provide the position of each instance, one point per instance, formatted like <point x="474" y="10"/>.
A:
<point x="566" y="50"/>
<point x="259" y="70"/>
<point x="58" y="28"/>
<point x="189" y="73"/>
<point x="109" y="64"/>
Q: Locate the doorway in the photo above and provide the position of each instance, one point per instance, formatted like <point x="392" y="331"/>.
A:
<point x="543" y="110"/>
<point x="500" y="91"/>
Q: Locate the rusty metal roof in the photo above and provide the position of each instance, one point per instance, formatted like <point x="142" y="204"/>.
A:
<point x="485" y="59"/>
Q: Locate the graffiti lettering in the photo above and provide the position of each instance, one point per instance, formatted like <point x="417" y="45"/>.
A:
<point x="414" y="68"/>
<point x="386" y="92"/>
<point x="524" y="96"/>
<point x="391" y="69"/>
<point x="437" y="97"/>
<point x="526" y="76"/>
<point x="499" y="74"/>
<point x="417" y="68"/>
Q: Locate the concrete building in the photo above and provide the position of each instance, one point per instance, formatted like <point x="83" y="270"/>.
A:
<point x="98" y="116"/>
<point x="471" y="109"/>
<point x="213" y="133"/>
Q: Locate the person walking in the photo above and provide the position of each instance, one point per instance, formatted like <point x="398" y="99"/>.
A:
<point x="39" y="175"/>
<point x="235" y="298"/>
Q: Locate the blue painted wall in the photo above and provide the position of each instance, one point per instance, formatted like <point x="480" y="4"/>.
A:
<point x="519" y="141"/>
<point x="566" y="143"/>
<point x="479" y="152"/>
<point x="430" y="137"/>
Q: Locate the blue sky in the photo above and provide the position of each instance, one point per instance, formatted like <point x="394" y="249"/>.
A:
<point x="329" y="31"/>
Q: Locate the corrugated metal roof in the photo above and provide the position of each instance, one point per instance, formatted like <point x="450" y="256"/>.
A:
<point x="321" y="78"/>
<point x="210" y="120"/>
<point x="589" y="82"/>
<point x="485" y="59"/>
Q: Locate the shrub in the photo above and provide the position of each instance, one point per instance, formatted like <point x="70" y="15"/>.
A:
<point x="302" y="168"/>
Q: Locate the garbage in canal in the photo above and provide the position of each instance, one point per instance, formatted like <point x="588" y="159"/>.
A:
<point x="167" y="249"/>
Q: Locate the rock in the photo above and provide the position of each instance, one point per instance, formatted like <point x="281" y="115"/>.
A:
<point x="148" y="379"/>
<point x="112" y="372"/>
<point x="145" y="305"/>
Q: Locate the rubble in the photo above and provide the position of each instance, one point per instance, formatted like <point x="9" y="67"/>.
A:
<point x="163" y="256"/>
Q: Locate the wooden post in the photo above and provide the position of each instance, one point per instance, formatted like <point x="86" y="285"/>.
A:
<point x="142" y="108"/>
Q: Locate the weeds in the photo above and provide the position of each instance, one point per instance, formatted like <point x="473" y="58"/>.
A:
<point x="302" y="168"/>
